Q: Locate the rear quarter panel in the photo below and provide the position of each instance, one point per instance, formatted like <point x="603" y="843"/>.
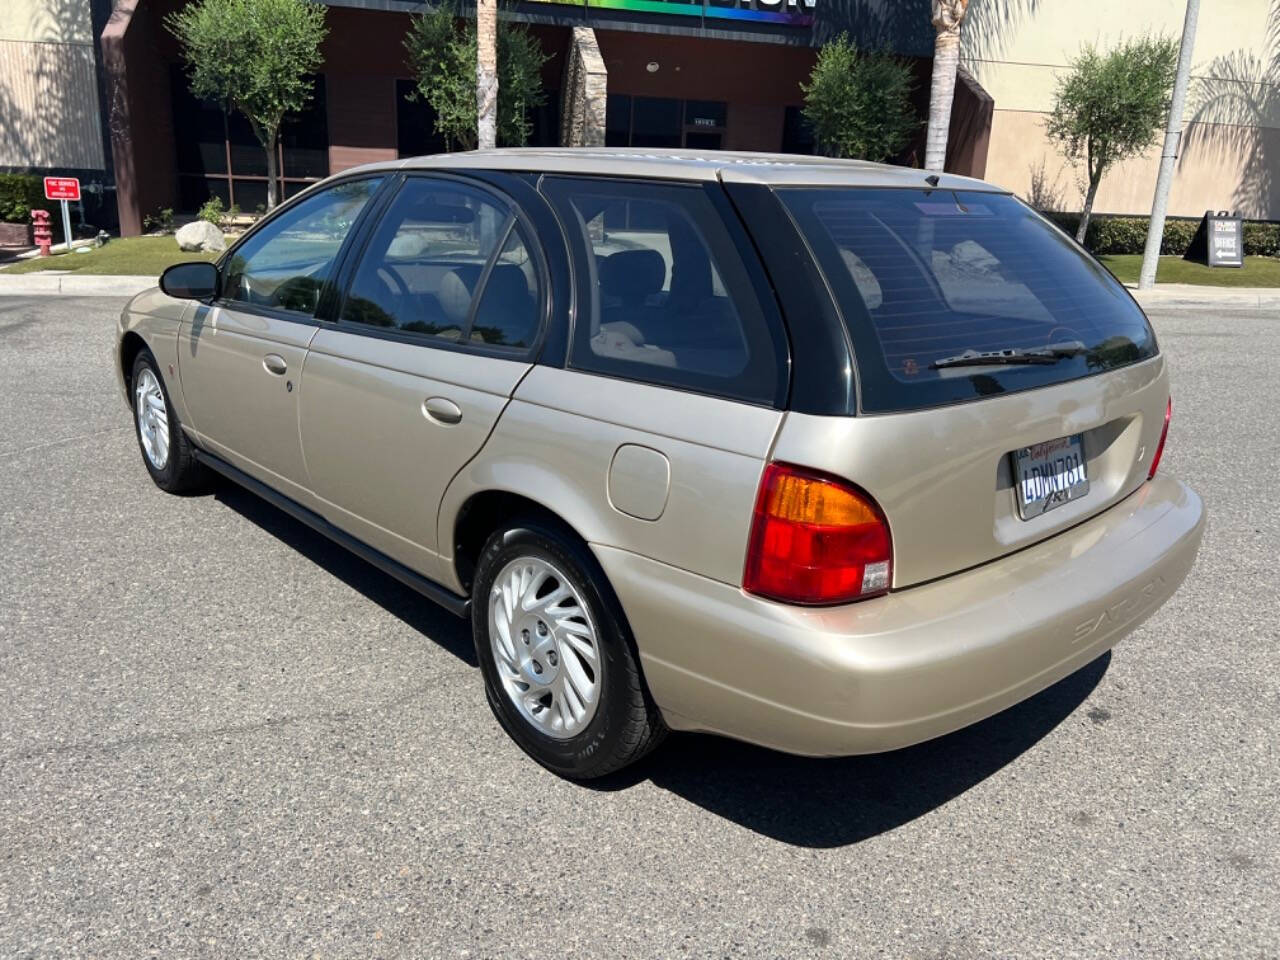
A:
<point x="557" y="439"/>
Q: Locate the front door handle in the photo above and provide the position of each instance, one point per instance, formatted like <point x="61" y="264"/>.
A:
<point x="274" y="364"/>
<point x="441" y="410"/>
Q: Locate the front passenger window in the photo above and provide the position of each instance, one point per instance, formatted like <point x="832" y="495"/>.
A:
<point x="284" y="265"/>
<point x="448" y="262"/>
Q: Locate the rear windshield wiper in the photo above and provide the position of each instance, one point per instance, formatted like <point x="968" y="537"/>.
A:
<point x="1011" y="356"/>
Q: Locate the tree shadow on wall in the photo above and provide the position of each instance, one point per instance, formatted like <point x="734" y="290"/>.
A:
<point x="61" y="68"/>
<point x="1235" y="113"/>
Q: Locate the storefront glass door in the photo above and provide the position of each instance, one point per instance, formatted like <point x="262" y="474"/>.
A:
<point x="658" y="122"/>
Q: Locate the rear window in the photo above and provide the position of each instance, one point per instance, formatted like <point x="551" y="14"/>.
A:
<point x="931" y="281"/>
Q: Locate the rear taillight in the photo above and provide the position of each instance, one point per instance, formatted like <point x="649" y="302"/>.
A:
<point x="816" y="540"/>
<point x="1155" y="461"/>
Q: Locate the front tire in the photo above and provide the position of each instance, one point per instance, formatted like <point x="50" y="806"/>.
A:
<point x="166" y="451"/>
<point x="560" y="669"/>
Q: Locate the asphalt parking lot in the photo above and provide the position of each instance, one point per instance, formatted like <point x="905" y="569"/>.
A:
<point x="221" y="736"/>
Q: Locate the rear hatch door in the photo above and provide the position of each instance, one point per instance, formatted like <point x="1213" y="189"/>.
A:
<point x="1007" y="386"/>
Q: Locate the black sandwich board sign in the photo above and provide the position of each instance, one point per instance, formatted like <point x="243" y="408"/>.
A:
<point x="1219" y="241"/>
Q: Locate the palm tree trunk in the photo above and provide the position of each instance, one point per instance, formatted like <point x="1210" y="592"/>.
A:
<point x="486" y="74"/>
<point x="948" y="17"/>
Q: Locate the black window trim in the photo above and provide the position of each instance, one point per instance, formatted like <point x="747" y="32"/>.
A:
<point x="516" y="216"/>
<point x="326" y="290"/>
<point x="749" y="258"/>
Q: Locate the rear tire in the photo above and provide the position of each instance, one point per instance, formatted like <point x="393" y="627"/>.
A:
<point x="166" y="452"/>
<point x="560" y="667"/>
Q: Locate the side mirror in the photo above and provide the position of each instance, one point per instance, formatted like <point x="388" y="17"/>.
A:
<point x="190" y="281"/>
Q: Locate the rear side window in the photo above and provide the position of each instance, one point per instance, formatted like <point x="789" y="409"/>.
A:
<point x="672" y="301"/>
<point x="931" y="281"/>
<point x="447" y="261"/>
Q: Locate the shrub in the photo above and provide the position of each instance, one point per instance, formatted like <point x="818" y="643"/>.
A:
<point x="212" y="211"/>
<point x="1108" y="235"/>
<point x="161" y="220"/>
<point x="20" y="193"/>
<point x="859" y="104"/>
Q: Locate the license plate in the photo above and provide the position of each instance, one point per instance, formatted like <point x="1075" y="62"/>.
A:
<point x="1050" y="474"/>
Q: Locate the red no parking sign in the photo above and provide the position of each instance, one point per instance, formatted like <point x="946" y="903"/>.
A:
<point x="61" y="188"/>
<point x="64" y="189"/>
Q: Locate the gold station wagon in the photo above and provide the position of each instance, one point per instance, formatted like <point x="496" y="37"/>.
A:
<point x="828" y="456"/>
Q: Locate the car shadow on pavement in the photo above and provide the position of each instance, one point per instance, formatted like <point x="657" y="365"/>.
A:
<point x="836" y="802"/>
<point x="414" y="610"/>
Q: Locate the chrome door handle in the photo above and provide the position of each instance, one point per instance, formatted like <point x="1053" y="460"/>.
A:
<point x="274" y="364"/>
<point x="441" y="410"/>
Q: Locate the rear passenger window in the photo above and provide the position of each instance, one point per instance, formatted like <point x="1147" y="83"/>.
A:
<point x="671" y="299"/>
<point x="447" y="261"/>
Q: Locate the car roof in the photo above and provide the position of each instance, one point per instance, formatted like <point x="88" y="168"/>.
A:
<point x="779" y="169"/>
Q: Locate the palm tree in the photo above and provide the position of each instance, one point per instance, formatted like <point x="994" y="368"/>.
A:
<point x="948" y="18"/>
<point x="486" y="74"/>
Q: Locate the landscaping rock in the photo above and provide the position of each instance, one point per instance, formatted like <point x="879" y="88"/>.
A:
<point x="200" y="236"/>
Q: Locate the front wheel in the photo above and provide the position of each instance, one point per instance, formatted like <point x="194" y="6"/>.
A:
<point x="166" y="451"/>
<point x="560" y="669"/>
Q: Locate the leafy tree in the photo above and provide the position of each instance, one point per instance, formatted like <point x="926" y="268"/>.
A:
<point x="859" y="104"/>
<point x="1111" y="106"/>
<point x="253" y="56"/>
<point x="442" y="54"/>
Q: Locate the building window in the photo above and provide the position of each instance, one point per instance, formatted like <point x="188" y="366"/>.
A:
<point x="415" y="123"/>
<point x="797" y="135"/>
<point x="659" y="122"/>
<point x="219" y="155"/>
<point x="416" y="134"/>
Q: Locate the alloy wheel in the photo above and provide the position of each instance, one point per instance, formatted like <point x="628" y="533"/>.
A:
<point x="153" y="419"/>
<point x="545" y="646"/>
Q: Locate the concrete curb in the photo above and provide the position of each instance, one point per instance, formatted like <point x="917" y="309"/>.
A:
<point x="1186" y="294"/>
<point x="72" y="285"/>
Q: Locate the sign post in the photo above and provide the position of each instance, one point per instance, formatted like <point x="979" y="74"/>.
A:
<point x="64" y="189"/>
<point x="1219" y="241"/>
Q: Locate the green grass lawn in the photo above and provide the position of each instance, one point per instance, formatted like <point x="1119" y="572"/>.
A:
<point x="140" y="256"/>
<point x="1256" y="272"/>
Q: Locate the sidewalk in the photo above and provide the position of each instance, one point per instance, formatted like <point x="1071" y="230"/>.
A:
<point x="50" y="283"/>
<point x="1187" y="294"/>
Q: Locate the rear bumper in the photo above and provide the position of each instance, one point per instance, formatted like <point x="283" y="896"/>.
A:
<point x="919" y="662"/>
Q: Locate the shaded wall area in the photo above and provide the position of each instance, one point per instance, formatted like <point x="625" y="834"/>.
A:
<point x="139" y="114"/>
<point x="174" y="151"/>
<point x="759" y="87"/>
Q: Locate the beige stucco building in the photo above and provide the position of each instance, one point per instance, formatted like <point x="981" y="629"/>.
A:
<point x="1230" y="156"/>
<point x="50" y="113"/>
